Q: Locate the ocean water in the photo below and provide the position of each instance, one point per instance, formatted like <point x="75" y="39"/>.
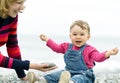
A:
<point x="35" y="50"/>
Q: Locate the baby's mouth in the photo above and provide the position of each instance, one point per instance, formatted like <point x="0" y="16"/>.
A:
<point x="78" y="42"/>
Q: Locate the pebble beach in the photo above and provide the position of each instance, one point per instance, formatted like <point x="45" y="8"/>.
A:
<point x="111" y="77"/>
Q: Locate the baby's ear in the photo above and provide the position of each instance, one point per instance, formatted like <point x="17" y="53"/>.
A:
<point x="89" y="36"/>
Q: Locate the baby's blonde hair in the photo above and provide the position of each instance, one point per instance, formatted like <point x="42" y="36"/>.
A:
<point x="4" y="5"/>
<point x="82" y="24"/>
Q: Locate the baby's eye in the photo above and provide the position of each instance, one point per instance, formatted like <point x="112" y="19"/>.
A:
<point x="74" y="34"/>
<point x="81" y="34"/>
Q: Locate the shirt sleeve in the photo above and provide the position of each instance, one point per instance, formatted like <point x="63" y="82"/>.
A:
<point x="59" y="48"/>
<point x="95" y="54"/>
<point x="13" y="49"/>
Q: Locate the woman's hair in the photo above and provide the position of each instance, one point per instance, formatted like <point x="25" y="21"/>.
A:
<point x="4" y="5"/>
<point x="82" y="24"/>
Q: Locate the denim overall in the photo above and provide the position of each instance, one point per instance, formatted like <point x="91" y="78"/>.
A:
<point x="76" y="66"/>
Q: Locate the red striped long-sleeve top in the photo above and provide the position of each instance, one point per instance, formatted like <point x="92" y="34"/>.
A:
<point x="8" y="36"/>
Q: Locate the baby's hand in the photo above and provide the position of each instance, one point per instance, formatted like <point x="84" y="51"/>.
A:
<point x="43" y="37"/>
<point x="113" y="51"/>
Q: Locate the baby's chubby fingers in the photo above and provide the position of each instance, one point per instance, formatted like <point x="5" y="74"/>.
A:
<point x="114" y="51"/>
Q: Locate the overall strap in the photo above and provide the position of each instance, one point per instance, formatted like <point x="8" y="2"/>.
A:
<point x="82" y="47"/>
<point x="81" y="51"/>
<point x="70" y="46"/>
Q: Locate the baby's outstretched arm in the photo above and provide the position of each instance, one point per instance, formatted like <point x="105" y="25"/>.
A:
<point x="113" y="51"/>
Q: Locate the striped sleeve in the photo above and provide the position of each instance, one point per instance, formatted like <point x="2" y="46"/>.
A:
<point x="8" y="36"/>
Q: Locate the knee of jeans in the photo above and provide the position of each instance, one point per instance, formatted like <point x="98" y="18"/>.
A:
<point x="78" y="78"/>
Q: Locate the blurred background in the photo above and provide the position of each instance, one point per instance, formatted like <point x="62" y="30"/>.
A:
<point x="54" y="17"/>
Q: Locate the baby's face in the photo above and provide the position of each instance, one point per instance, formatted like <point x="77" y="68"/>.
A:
<point x="79" y="36"/>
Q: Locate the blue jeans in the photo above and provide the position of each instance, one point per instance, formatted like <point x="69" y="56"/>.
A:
<point x="53" y="77"/>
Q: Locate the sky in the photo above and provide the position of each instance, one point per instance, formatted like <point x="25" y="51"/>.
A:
<point x="54" y="17"/>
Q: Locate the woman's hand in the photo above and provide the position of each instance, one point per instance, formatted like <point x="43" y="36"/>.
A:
<point x="42" y="66"/>
<point x="47" y="67"/>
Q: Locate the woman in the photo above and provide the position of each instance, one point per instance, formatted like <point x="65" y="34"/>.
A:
<point x="9" y="10"/>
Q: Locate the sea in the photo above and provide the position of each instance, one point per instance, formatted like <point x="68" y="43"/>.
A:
<point x="35" y="50"/>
